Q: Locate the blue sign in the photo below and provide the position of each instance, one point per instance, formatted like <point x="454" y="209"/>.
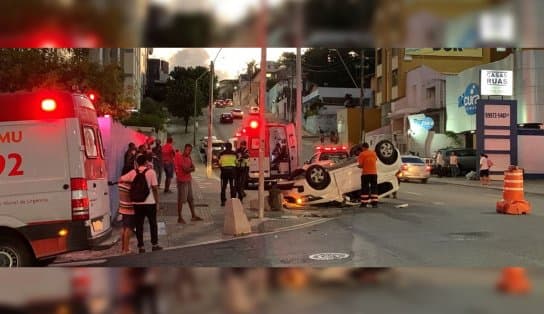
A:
<point x="426" y="123"/>
<point x="470" y="98"/>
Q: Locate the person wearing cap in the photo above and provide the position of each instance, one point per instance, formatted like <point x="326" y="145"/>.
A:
<point x="227" y="162"/>
<point x="242" y="169"/>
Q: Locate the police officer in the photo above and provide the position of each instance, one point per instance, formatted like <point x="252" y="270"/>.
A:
<point x="242" y="169"/>
<point x="227" y="162"/>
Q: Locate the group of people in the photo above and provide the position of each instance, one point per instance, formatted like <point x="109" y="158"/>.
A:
<point x="234" y="171"/>
<point x="453" y="164"/>
<point x="333" y="137"/>
<point x="139" y="188"/>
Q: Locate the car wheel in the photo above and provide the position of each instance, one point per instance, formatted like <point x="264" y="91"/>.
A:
<point x="386" y="152"/>
<point x="13" y="253"/>
<point x="317" y="177"/>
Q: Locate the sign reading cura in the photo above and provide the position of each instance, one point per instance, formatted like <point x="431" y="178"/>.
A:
<point x="496" y="82"/>
<point x="469" y="98"/>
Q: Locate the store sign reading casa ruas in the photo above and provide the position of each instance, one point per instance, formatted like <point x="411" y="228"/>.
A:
<point x="444" y="52"/>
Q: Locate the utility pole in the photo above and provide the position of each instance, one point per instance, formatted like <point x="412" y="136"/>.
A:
<point x="194" y="115"/>
<point x="362" y="95"/>
<point x="210" y="127"/>
<point x="262" y="100"/>
<point x="298" y="118"/>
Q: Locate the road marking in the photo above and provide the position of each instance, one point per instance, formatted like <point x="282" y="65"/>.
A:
<point x="81" y="263"/>
<point x="328" y="256"/>
<point x="401" y="206"/>
<point x="413" y="193"/>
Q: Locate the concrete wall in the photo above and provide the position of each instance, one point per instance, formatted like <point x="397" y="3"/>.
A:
<point x="327" y="122"/>
<point x="531" y="161"/>
<point x="115" y="138"/>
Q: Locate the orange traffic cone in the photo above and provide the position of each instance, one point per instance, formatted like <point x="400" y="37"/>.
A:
<point x="513" y="201"/>
<point x="514" y="281"/>
<point x="293" y="278"/>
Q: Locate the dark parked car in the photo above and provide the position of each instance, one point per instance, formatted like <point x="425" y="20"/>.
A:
<point x="226" y="118"/>
<point x="467" y="158"/>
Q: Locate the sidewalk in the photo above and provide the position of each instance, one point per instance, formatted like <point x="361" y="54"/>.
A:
<point x="532" y="186"/>
<point x="207" y="205"/>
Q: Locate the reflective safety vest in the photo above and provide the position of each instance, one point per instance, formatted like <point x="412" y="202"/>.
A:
<point x="227" y="159"/>
<point x="243" y="157"/>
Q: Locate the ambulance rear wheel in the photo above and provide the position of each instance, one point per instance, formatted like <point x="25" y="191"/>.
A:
<point x="14" y="253"/>
<point x="317" y="177"/>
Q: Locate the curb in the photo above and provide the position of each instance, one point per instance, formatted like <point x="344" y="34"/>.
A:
<point x="481" y="187"/>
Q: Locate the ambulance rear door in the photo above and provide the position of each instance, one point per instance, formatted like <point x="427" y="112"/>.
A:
<point x="34" y="172"/>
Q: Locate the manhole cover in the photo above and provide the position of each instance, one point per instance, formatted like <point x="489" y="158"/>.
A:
<point x="328" y="256"/>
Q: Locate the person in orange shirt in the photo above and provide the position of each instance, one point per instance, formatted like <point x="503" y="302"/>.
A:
<point x="369" y="177"/>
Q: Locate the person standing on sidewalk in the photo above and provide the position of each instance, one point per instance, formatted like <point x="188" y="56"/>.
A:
<point x="129" y="158"/>
<point x="183" y="165"/>
<point x="454" y="165"/>
<point x="242" y="169"/>
<point x="440" y="162"/>
<point x="157" y="160"/>
<point x="227" y="162"/>
<point x="369" y="179"/>
<point x="144" y="194"/>
<point x="485" y="164"/>
<point x="168" y="154"/>
<point x="127" y="211"/>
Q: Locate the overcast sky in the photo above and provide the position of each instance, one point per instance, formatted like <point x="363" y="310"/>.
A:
<point x="229" y="64"/>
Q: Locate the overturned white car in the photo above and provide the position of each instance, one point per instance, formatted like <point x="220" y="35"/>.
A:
<point x="342" y="182"/>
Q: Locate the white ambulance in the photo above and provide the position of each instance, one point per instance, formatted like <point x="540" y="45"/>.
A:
<point x="53" y="183"/>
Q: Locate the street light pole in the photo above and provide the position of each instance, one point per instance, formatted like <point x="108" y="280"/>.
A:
<point x="210" y="127"/>
<point x="262" y="99"/>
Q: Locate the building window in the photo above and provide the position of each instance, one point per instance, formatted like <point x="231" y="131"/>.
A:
<point x="395" y="78"/>
<point x="379" y="56"/>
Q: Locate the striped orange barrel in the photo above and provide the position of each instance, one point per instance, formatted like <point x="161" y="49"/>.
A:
<point x="513" y="185"/>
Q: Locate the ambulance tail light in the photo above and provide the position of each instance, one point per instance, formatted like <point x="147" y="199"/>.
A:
<point x="253" y="124"/>
<point x="80" y="199"/>
<point x="49" y="105"/>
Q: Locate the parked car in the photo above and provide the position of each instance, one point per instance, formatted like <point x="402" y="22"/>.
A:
<point x="414" y="168"/>
<point x="217" y="147"/>
<point x="254" y="110"/>
<point x="467" y="158"/>
<point x="226" y="118"/>
<point x="228" y="103"/>
<point x="237" y="113"/>
<point x="219" y="103"/>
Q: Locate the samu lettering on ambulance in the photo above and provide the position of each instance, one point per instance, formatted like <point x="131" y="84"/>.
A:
<point x="11" y="137"/>
<point x="15" y="169"/>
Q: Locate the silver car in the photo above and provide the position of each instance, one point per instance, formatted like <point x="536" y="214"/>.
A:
<point x="414" y="168"/>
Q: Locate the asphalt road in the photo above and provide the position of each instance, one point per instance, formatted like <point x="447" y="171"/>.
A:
<point x="443" y="225"/>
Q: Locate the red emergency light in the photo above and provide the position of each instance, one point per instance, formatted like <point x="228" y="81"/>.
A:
<point x="49" y="105"/>
<point x="92" y="97"/>
<point x="253" y="124"/>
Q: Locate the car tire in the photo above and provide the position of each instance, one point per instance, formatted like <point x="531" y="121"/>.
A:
<point x="14" y="253"/>
<point x="317" y="177"/>
<point x="386" y="152"/>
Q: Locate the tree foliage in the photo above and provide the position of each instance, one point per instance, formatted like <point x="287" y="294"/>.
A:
<point x="151" y="114"/>
<point x="180" y="92"/>
<point x="65" y="69"/>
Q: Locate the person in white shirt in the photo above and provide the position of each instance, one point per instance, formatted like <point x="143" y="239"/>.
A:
<point x="484" y="170"/>
<point x="147" y="208"/>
